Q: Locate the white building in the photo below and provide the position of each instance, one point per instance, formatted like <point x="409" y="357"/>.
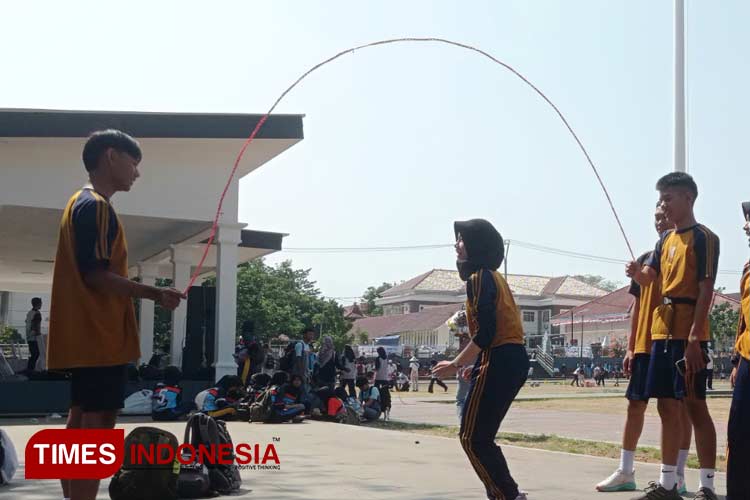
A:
<point x="167" y="216"/>
<point x="538" y="299"/>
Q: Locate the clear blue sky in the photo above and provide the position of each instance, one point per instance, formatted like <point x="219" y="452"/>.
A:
<point x="402" y="140"/>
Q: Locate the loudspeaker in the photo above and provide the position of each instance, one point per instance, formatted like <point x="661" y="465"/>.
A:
<point x="198" y="352"/>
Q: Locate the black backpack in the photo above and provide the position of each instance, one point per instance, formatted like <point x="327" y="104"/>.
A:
<point x="260" y="410"/>
<point x="286" y="363"/>
<point x="194" y="480"/>
<point x="146" y="481"/>
<point x="204" y="430"/>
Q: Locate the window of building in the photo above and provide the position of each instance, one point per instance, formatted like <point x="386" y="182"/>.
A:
<point x="529" y="316"/>
<point x="545" y="316"/>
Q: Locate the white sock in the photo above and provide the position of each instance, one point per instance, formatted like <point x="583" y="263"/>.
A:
<point x="681" y="461"/>
<point x="707" y="479"/>
<point x="626" y="461"/>
<point x="668" y="477"/>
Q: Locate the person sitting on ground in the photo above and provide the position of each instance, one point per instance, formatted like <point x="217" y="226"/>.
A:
<point x="221" y="401"/>
<point x="369" y="396"/>
<point x="402" y="382"/>
<point x="286" y="402"/>
<point x="166" y="402"/>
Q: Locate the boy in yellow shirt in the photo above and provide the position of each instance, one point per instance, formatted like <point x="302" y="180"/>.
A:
<point x="684" y="261"/>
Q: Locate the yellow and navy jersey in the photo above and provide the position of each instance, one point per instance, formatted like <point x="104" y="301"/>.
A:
<point x="742" y="344"/>
<point x="491" y="312"/>
<point x="683" y="259"/>
<point x="648" y="297"/>
<point x="90" y="328"/>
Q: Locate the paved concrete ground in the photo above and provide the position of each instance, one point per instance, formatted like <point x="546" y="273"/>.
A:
<point x="572" y="424"/>
<point x="329" y="461"/>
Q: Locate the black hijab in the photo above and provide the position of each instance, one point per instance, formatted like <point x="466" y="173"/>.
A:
<point x="484" y="246"/>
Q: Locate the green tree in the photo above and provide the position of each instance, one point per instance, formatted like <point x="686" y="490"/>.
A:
<point x="723" y="321"/>
<point x="283" y="300"/>
<point x="598" y="281"/>
<point x="10" y="335"/>
<point x="363" y="338"/>
<point x="373" y="293"/>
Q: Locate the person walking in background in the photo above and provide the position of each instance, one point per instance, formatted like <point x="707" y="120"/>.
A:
<point x="33" y="332"/>
<point x="575" y="379"/>
<point x="434" y="379"/>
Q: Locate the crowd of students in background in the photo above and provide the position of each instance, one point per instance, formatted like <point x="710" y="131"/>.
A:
<point x="300" y="381"/>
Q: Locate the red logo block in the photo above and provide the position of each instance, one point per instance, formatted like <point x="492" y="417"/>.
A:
<point x="74" y="453"/>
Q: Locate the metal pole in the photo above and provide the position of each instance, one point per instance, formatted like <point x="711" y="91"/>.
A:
<point x="581" y="338"/>
<point x="572" y="333"/>
<point x="679" y="86"/>
<point x="507" y="251"/>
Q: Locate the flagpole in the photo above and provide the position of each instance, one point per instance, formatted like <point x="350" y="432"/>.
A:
<point x="679" y="86"/>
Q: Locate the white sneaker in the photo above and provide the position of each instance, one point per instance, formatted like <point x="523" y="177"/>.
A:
<point x="619" y="481"/>
<point x="522" y="495"/>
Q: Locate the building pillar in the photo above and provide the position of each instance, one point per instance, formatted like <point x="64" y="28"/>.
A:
<point x="147" y="274"/>
<point x="181" y="258"/>
<point x="228" y="238"/>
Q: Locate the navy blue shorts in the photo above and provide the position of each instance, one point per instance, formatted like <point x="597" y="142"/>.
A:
<point x="100" y="388"/>
<point x="664" y="381"/>
<point x="638" y="378"/>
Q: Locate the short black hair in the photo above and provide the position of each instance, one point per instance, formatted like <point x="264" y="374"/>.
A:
<point x="678" y="180"/>
<point x="309" y="329"/>
<point x="361" y="381"/>
<point x="36" y="301"/>
<point x="102" y="140"/>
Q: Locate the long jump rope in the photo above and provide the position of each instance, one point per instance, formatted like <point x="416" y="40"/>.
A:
<point x="380" y="43"/>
